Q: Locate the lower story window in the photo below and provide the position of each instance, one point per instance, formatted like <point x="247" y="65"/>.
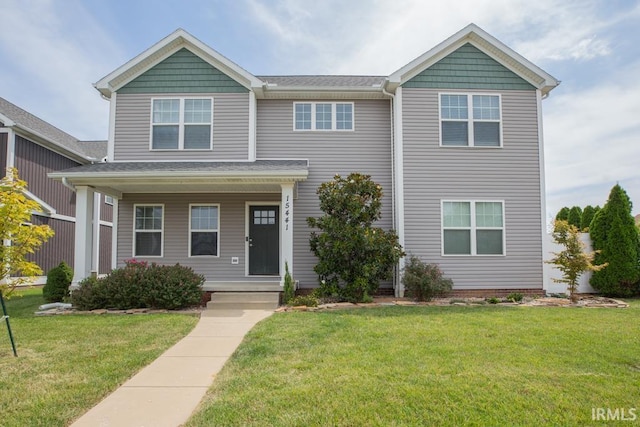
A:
<point x="203" y="230"/>
<point x="473" y="228"/>
<point x="148" y="229"/>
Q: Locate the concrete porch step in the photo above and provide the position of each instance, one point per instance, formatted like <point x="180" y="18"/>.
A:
<point x="244" y="301"/>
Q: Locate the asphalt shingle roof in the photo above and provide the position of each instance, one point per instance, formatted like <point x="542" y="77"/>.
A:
<point x="324" y="81"/>
<point x="125" y="167"/>
<point x="50" y="132"/>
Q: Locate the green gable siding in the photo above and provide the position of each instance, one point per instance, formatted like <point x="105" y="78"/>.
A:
<point x="183" y="72"/>
<point x="468" y="68"/>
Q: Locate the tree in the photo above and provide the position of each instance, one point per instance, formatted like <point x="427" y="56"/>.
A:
<point x="587" y="216"/>
<point x="353" y="255"/>
<point x="615" y="236"/>
<point x="20" y="237"/>
<point x="575" y="216"/>
<point x="573" y="260"/>
<point x="563" y="214"/>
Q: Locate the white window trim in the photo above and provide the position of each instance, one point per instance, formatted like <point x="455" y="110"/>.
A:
<point x="192" y="230"/>
<point x="181" y="124"/>
<point x="133" y="245"/>
<point x="473" y="228"/>
<point x="334" y="117"/>
<point x="470" y="120"/>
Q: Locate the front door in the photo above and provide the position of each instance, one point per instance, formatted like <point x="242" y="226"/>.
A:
<point x="264" y="241"/>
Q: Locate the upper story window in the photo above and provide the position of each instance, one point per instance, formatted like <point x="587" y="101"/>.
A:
<point x="468" y="120"/>
<point x="473" y="228"/>
<point x="181" y="124"/>
<point x="148" y="230"/>
<point x="323" y="116"/>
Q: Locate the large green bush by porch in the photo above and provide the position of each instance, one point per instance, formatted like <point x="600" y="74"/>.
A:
<point x="353" y="255"/>
<point x="140" y="285"/>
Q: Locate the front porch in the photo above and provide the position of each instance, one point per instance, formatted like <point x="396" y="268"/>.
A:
<point x="232" y="222"/>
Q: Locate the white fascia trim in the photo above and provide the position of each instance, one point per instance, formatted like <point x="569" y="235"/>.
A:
<point x="474" y="35"/>
<point x="166" y="47"/>
<point x="55" y="216"/>
<point x="199" y="160"/>
<point x="11" y="148"/>
<point x="543" y="194"/>
<point x="112" y="128"/>
<point x="47" y="208"/>
<point x="253" y="114"/>
<point x="7" y="121"/>
<point x="398" y="158"/>
<point x="293" y="174"/>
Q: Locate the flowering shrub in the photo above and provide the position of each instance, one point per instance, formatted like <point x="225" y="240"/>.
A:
<point x="140" y="285"/>
<point x="353" y="255"/>
<point x="424" y="281"/>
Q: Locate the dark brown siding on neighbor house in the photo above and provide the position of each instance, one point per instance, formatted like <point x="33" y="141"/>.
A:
<point x="106" y="210"/>
<point x="34" y="162"/>
<point x="105" y="250"/>
<point x="3" y="154"/>
<point x="59" y="247"/>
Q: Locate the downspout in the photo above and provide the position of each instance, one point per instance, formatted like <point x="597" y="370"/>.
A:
<point x="67" y="184"/>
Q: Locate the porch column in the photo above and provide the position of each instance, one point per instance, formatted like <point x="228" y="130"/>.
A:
<point x="83" y="234"/>
<point x="286" y="230"/>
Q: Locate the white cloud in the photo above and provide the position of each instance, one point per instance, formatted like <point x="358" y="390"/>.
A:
<point x="56" y="50"/>
<point x="592" y="140"/>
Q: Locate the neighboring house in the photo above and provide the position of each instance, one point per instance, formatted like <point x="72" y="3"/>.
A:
<point x="36" y="148"/>
<point x="217" y="169"/>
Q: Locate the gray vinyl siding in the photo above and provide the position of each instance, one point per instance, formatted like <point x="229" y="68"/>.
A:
<point x="183" y="72"/>
<point x="367" y="150"/>
<point x="468" y="68"/>
<point x="33" y="163"/>
<point x="104" y="251"/>
<point x="230" y="128"/>
<point x="58" y="248"/>
<point x="176" y="231"/>
<point x="433" y="173"/>
<point x="3" y="154"/>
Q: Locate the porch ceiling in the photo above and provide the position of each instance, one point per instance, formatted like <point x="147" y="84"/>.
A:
<point x="263" y="176"/>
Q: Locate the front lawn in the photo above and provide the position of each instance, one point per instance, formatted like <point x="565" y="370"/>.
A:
<point x="431" y="366"/>
<point x="67" y="364"/>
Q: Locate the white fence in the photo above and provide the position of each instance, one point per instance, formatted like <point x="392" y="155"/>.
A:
<point x="550" y="271"/>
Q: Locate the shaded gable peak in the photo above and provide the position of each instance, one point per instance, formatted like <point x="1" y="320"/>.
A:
<point x="178" y="63"/>
<point x="473" y="59"/>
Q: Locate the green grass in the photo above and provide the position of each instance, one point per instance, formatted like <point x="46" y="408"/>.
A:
<point x="397" y="366"/>
<point x="67" y="364"/>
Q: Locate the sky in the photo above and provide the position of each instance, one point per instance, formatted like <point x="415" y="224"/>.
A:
<point x="52" y="51"/>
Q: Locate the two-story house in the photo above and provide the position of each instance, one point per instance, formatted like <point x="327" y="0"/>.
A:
<point x="217" y="169"/>
<point x="35" y="148"/>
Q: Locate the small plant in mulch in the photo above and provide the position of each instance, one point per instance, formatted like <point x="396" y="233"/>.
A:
<point x="304" y="300"/>
<point x="515" y="297"/>
<point x="493" y="300"/>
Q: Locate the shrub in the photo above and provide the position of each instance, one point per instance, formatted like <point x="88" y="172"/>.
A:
<point x="424" y="281"/>
<point x="575" y="216"/>
<point x="139" y="285"/>
<point x="615" y="236"/>
<point x="515" y="297"/>
<point x="308" y="300"/>
<point x="353" y="255"/>
<point x="58" y="280"/>
<point x="587" y="216"/>
<point x="289" y="292"/>
<point x="493" y="300"/>
<point x="90" y="295"/>
<point x="563" y="214"/>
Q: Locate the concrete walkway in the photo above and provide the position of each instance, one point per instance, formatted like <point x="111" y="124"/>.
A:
<point x="166" y="392"/>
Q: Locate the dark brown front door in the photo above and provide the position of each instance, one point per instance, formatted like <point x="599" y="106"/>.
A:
<point x="264" y="241"/>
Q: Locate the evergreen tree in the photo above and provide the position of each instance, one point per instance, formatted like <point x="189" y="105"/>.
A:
<point x="587" y="216"/>
<point x="563" y="214"/>
<point x="614" y="234"/>
<point x="575" y="216"/>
